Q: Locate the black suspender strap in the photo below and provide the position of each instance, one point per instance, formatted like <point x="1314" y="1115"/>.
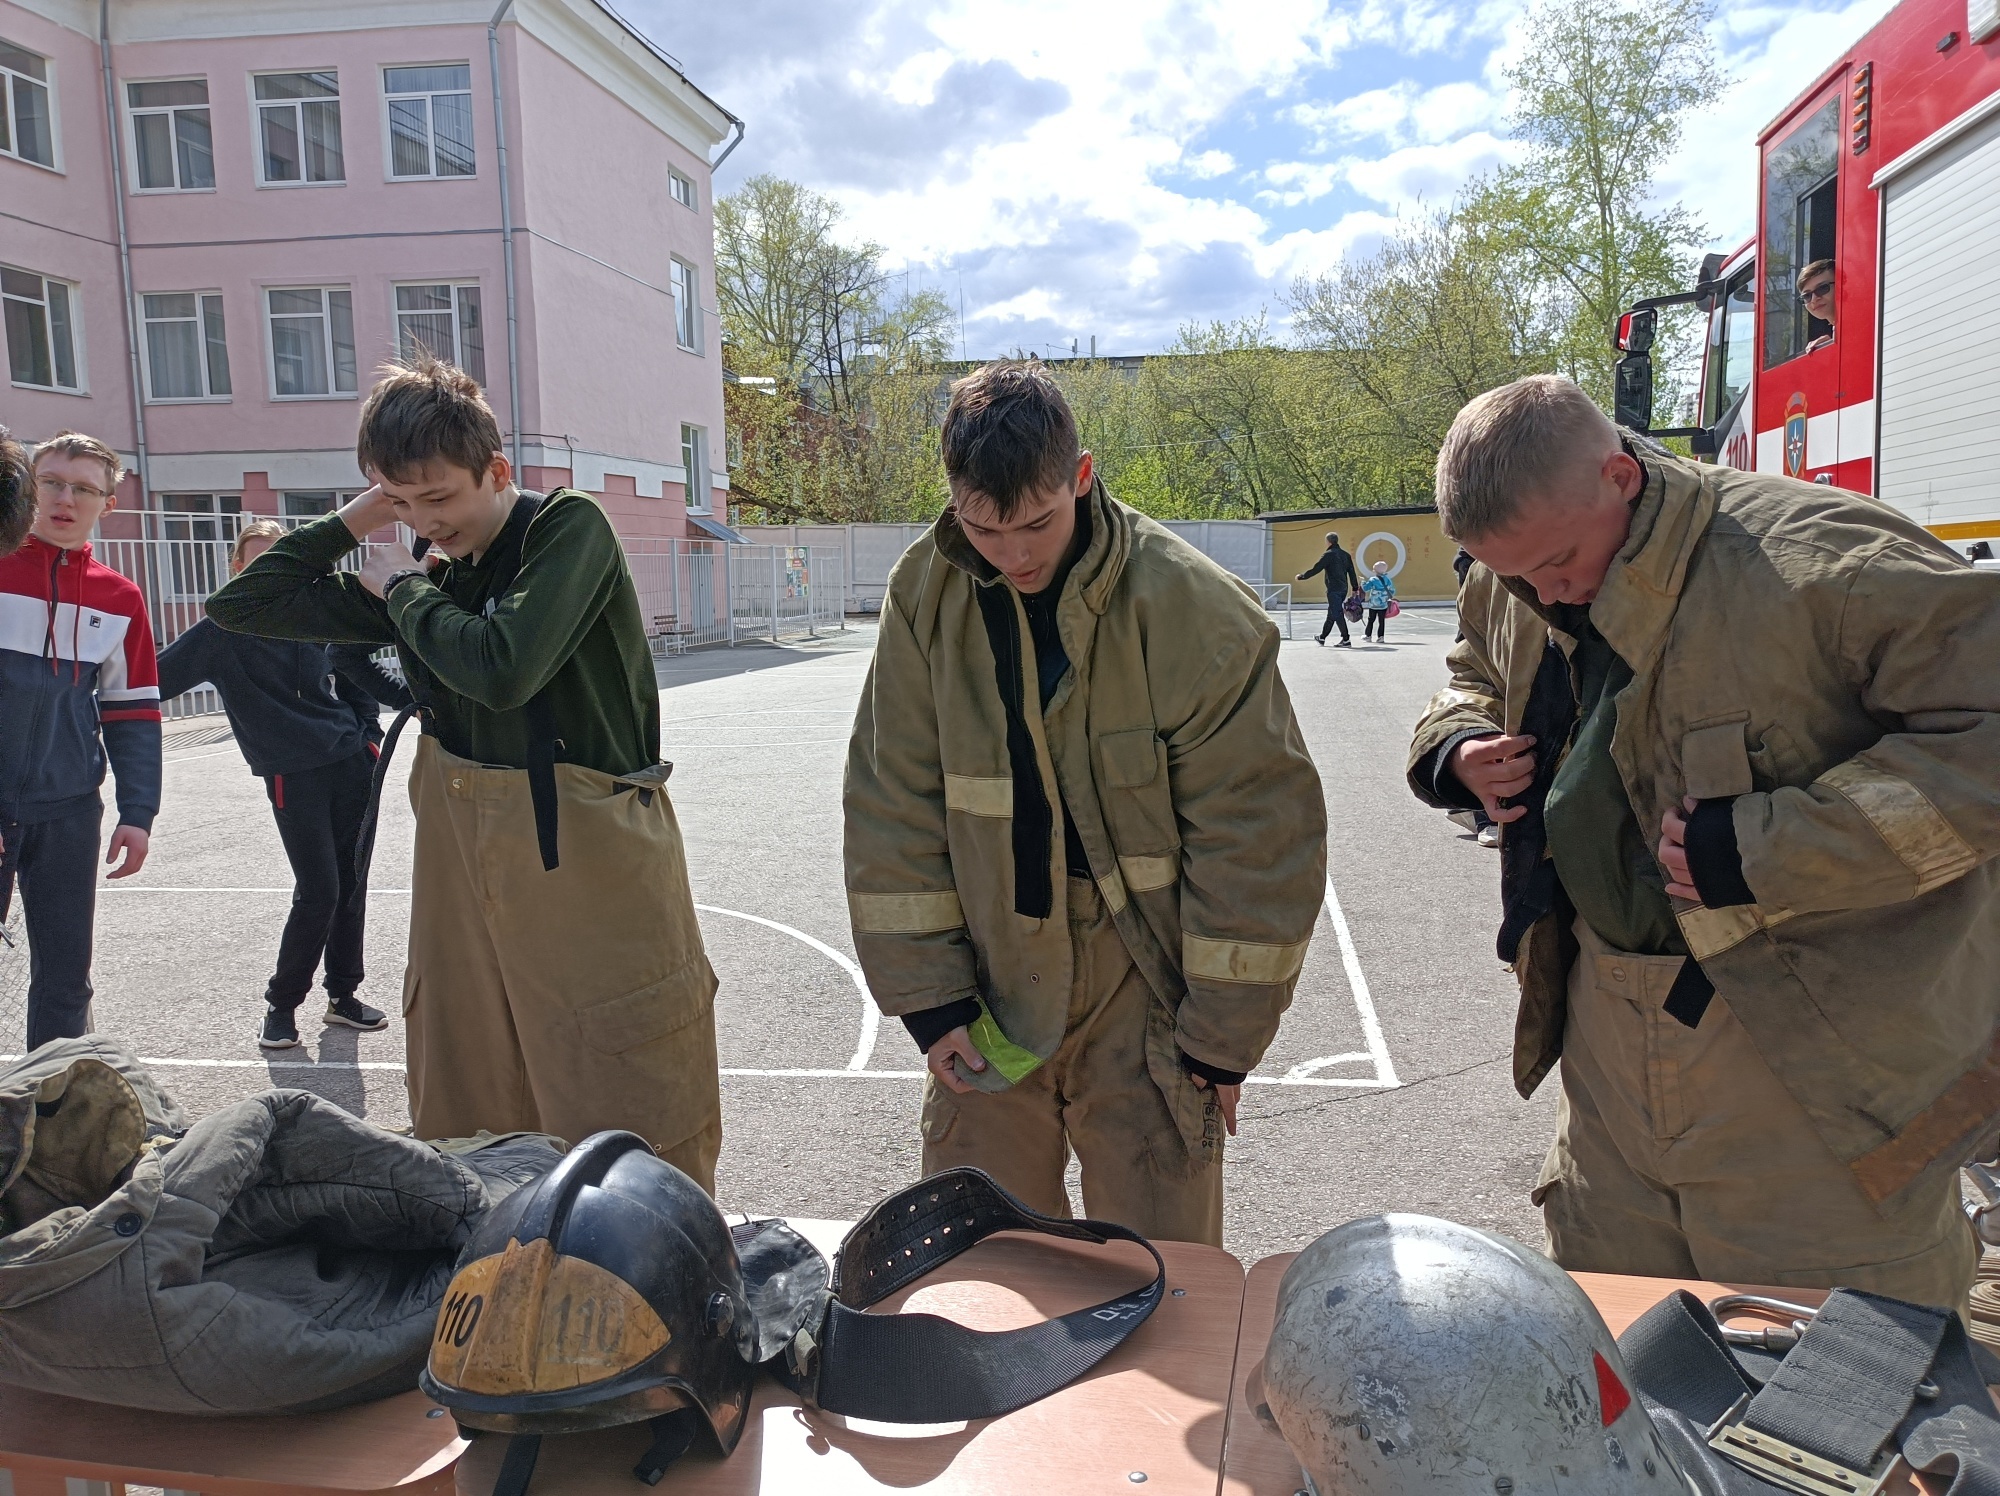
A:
<point x="542" y="745"/>
<point x="918" y="1368"/>
<point x="364" y="842"/>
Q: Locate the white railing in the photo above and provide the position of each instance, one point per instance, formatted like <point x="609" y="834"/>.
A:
<point x="1276" y="597"/>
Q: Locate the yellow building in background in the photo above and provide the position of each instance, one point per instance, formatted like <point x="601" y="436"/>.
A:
<point x="1409" y="539"/>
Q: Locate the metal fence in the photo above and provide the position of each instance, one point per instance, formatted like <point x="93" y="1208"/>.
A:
<point x="691" y="592"/>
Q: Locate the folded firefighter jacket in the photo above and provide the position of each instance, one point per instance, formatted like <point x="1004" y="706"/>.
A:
<point x="279" y="1255"/>
<point x="1170" y="742"/>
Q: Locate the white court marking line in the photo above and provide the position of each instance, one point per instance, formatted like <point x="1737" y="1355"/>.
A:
<point x="1385" y="1077"/>
<point x="871" y="1016"/>
<point x="1364" y="1004"/>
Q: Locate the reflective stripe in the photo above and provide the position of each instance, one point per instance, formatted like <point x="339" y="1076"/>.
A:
<point x="1904" y="817"/>
<point x="1144" y="874"/>
<point x="1009" y="1058"/>
<point x="1710" y="932"/>
<point x="904" y="913"/>
<point x="979" y="797"/>
<point x="1240" y="960"/>
<point x="1113" y="888"/>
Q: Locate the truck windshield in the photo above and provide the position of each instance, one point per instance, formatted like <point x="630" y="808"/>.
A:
<point x="1732" y="340"/>
<point x="1799" y="183"/>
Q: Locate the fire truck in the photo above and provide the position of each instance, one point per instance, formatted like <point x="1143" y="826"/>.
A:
<point x="1885" y="175"/>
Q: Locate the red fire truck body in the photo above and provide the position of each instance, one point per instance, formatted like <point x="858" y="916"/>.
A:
<point x="1889" y="167"/>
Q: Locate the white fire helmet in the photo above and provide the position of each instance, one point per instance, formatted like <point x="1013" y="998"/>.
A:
<point x="1418" y="1357"/>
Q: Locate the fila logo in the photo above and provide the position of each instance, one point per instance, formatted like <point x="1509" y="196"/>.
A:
<point x="96" y="619"/>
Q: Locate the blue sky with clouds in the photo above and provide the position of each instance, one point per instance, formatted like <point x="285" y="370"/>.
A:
<point x="1120" y="168"/>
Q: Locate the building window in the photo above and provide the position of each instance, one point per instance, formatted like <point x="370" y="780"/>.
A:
<point x="430" y="121"/>
<point x="311" y="503"/>
<point x="687" y="307"/>
<point x="681" y="187"/>
<point x="41" y="330"/>
<point x="312" y="342"/>
<point x="171" y="141"/>
<point x="446" y="320"/>
<point x="298" y="121"/>
<point x="27" y="123"/>
<point x="694" y="462"/>
<point x="187" y="355"/>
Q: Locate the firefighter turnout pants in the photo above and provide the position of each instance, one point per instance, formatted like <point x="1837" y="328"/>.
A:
<point x="566" y="1001"/>
<point x="1098" y="1096"/>
<point x="1680" y="1155"/>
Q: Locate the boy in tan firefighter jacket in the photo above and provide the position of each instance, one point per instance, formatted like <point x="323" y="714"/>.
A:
<point x="1743" y="736"/>
<point x="1085" y="844"/>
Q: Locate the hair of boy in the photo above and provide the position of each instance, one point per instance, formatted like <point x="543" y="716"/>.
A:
<point x="1513" y="444"/>
<point x="78" y="444"/>
<point x="1008" y="433"/>
<point x="1333" y="537"/>
<point x="1814" y="269"/>
<point x="17" y="493"/>
<point x="257" y="529"/>
<point x="423" y="410"/>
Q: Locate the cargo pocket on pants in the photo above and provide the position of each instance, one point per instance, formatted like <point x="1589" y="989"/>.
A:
<point x="1196" y="1113"/>
<point x="650" y="1013"/>
<point x="939" y="1113"/>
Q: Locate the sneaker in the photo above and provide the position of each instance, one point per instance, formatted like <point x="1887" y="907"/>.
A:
<point x="1466" y="819"/>
<point x="351" y="1012"/>
<point x="1320" y="640"/>
<point x="1489" y="836"/>
<point x="280" y="1031"/>
<point x="1345" y="644"/>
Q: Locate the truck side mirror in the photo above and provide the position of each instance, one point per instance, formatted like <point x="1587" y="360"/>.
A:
<point x="1635" y="331"/>
<point x="1632" y="390"/>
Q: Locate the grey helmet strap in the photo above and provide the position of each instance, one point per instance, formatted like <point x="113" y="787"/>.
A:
<point x="919" y="1368"/>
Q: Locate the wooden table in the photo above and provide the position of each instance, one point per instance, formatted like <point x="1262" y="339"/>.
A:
<point x="1154" y="1408"/>
<point x="1255" y="1460"/>
<point x="393" y="1446"/>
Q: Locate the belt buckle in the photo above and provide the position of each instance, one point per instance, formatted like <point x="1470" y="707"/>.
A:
<point x="1789" y="1467"/>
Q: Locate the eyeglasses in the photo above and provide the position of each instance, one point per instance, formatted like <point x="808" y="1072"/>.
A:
<point x="54" y="488"/>
<point x="1813" y="293"/>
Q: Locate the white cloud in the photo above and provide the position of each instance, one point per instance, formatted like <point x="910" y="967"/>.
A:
<point x="1209" y="165"/>
<point x="1401" y="114"/>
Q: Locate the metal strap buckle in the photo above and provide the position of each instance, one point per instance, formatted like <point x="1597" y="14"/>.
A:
<point x="1789" y="1467"/>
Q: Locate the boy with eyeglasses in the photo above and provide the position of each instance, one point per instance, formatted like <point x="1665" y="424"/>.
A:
<point x="79" y="684"/>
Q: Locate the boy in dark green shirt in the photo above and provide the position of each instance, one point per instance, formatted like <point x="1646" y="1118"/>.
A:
<point x="556" y="980"/>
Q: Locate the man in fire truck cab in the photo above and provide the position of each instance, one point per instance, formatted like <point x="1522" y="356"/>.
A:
<point x="1816" y="293"/>
<point x="1742" y="735"/>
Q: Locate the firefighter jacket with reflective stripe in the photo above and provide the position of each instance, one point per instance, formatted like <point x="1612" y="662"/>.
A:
<point x="1831" y="670"/>
<point x="1172" y="743"/>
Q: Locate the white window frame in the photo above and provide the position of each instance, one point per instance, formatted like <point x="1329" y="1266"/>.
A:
<point x="684" y="279"/>
<point x="333" y="391"/>
<point x="457" y="284"/>
<point x="678" y="182"/>
<point x="257" y="108"/>
<point x="12" y="151"/>
<point x="82" y="386"/>
<point x="201" y="300"/>
<point x="132" y="113"/>
<point x="389" y="172"/>
<point x="698" y="477"/>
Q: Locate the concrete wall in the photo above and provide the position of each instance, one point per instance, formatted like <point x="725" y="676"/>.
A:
<point x="1414" y="545"/>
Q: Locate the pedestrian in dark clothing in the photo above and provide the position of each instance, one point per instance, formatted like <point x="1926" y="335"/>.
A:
<point x="1342" y="581"/>
<point x="315" y="752"/>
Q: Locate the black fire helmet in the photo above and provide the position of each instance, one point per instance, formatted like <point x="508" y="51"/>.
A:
<point x="612" y="1292"/>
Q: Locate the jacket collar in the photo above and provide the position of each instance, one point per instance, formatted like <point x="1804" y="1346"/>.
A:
<point x="1096" y="571"/>
<point x="1643" y="586"/>
<point x="37" y="549"/>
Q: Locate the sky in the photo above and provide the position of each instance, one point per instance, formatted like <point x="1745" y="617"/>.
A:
<point x="1113" y="170"/>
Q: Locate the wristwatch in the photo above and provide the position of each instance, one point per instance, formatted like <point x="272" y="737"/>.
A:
<point x="396" y="578"/>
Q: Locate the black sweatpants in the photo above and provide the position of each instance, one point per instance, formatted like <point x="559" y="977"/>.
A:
<point x="55" y="869"/>
<point x="1377" y="626"/>
<point x="1336" y="618"/>
<point x="319" y="816"/>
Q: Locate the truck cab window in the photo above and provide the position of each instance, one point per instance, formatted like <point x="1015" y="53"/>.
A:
<point x="1800" y="185"/>
<point x="1732" y="343"/>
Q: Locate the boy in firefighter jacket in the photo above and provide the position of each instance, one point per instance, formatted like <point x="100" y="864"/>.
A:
<point x="1085" y="845"/>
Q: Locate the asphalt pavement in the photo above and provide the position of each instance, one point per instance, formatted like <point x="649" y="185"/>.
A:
<point x="1388" y="1087"/>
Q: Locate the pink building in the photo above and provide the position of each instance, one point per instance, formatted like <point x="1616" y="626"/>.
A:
<point x="217" y="220"/>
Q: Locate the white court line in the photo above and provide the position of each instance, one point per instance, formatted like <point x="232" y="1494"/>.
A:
<point x="871" y="1016"/>
<point x="1364" y="1004"/>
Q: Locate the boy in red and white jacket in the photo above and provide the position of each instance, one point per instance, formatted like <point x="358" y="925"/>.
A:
<point x="78" y="683"/>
